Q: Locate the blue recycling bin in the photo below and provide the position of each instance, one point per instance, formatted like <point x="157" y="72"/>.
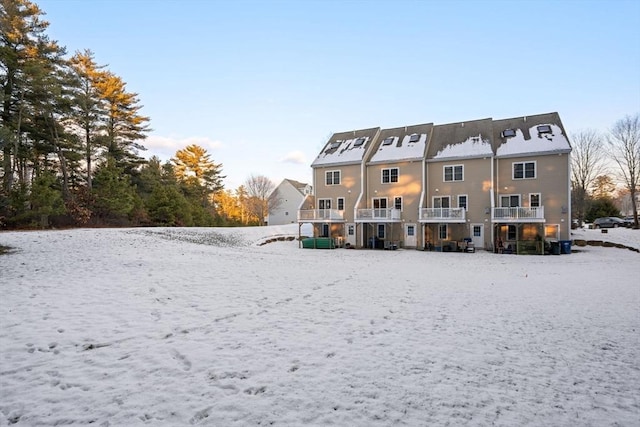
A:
<point x="565" y="247"/>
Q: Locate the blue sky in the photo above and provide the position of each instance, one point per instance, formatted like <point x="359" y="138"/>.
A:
<point x="263" y="84"/>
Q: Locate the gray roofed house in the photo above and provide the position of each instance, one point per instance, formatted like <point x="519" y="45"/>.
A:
<point x="445" y="186"/>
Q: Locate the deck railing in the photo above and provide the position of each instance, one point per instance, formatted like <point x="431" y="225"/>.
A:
<point x="518" y="213"/>
<point x="375" y="214"/>
<point x="320" y="215"/>
<point x="442" y="214"/>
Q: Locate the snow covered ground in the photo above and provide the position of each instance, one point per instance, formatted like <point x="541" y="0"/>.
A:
<point x="174" y="327"/>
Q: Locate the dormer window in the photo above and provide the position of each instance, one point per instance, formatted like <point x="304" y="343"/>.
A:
<point x="508" y="133"/>
<point x="544" y="129"/>
<point x="388" y="141"/>
<point x="414" y="138"/>
<point x="358" y="142"/>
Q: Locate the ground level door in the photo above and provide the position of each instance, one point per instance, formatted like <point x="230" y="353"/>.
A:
<point x="351" y="234"/>
<point x="477" y="235"/>
<point x="410" y="235"/>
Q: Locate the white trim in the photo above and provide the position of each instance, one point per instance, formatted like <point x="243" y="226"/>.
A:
<point x="524" y="170"/>
<point x="453" y="173"/>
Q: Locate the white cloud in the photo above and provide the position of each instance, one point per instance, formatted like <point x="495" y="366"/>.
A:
<point x="296" y="157"/>
<point x="165" y="147"/>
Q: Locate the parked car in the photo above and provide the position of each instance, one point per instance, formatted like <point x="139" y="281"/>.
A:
<point x="628" y="221"/>
<point x="608" y="222"/>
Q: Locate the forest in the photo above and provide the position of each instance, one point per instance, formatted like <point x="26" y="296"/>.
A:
<point x="71" y="138"/>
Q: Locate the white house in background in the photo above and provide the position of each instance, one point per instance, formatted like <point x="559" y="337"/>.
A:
<point x="285" y="200"/>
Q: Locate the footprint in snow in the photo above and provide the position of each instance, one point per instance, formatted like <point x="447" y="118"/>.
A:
<point x="186" y="364"/>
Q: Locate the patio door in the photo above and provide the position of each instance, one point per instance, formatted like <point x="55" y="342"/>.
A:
<point x="324" y="208"/>
<point x="410" y="235"/>
<point x="477" y="235"/>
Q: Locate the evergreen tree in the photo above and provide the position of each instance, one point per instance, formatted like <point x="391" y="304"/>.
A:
<point x="88" y="108"/>
<point x="46" y="198"/>
<point x="27" y="57"/>
<point x="113" y="192"/>
<point x="124" y="126"/>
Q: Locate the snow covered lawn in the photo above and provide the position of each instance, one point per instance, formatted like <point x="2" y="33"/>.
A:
<point x="123" y="327"/>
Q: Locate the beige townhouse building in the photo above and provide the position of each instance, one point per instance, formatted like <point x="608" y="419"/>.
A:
<point x="483" y="184"/>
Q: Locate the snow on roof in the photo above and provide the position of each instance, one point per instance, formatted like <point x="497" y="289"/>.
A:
<point x="538" y="142"/>
<point x="471" y="147"/>
<point x="345" y="152"/>
<point x="401" y="150"/>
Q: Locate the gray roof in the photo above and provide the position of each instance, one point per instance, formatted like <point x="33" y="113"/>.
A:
<point x="527" y="139"/>
<point x="346" y="147"/>
<point x="398" y="145"/>
<point x="461" y="140"/>
<point x="530" y="135"/>
<point x="297" y="184"/>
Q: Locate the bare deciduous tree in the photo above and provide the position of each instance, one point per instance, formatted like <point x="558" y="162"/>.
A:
<point x="624" y="140"/>
<point x="258" y="189"/>
<point x="587" y="162"/>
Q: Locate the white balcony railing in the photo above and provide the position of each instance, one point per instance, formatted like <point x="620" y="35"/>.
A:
<point x="320" y="215"/>
<point x="518" y="214"/>
<point x="443" y="214"/>
<point x="381" y="215"/>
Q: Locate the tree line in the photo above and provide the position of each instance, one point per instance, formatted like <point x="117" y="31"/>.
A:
<point x="599" y="161"/>
<point x="71" y="134"/>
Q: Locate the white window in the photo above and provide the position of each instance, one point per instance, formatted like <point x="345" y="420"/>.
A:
<point x="534" y="200"/>
<point x="324" y="203"/>
<point x="462" y="201"/>
<point x="454" y="173"/>
<point x="510" y="201"/>
<point x="411" y="230"/>
<point x="397" y="203"/>
<point x="340" y="203"/>
<point x="332" y="177"/>
<point x="390" y="175"/>
<point x="442" y="231"/>
<point x="524" y="170"/>
<point x="551" y="231"/>
<point x="351" y="230"/>
<point x="442" y="202"/>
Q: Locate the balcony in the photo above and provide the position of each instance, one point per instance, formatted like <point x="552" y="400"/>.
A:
<point x="378" y="215"/>
<point x="320" y="215"/>
<point x="518" y="214"/>
<point x="443" y="215"/>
